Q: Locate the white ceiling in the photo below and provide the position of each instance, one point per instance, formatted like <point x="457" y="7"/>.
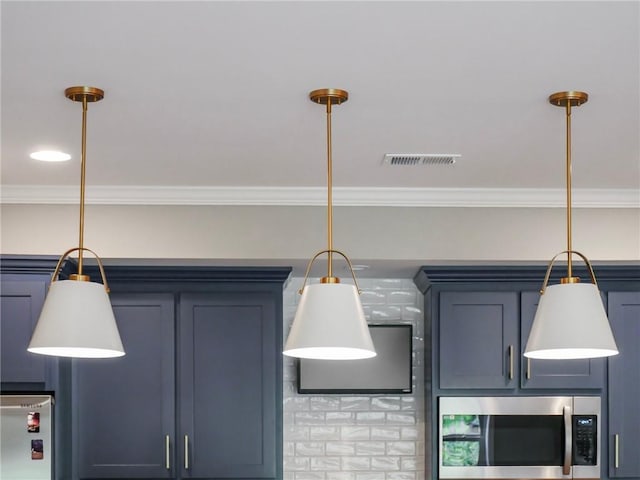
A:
<point x="215" y="94"/>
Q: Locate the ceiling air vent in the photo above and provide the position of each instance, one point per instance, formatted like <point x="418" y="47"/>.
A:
<point x="415" y="159"/>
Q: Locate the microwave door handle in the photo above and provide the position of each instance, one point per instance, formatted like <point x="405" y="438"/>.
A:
<point x="568" y="437"/>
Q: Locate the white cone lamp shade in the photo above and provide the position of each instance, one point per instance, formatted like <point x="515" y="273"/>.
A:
<point x="570" y="323"/>
<point x="330" y="325"/>
<point x="77" y="321"/>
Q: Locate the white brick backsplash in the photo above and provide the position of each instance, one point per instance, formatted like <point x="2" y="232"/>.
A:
<point x="408" y="403"/>
<point x="296" y="404"/>
<point x="288" y="449"/>
<point x="371" y="297"/>
<point x="296" y="464"/>
<point x="401" y="448"/>
<point x="370" y="448"/>
<point x="412" y="314"/>
<point x="324" y="403"/>
<point x="309" y="418"/>
<point x="324" y="433"/>
<point x="340" y="418"/>
<point x="401" y="476"/>
<point x="410" y="433"/>
<point x="401" y="418"/>
<point x="340" y="476"/>
<point x="412" y="463"/>
<point x="355" y="433"/>
<point x="370" y="476"/>
<point x="355" y="403"/>
<point x="356" y="463"/>
<point x="325" y="463"/>
<point x="310" y="476"/>
<point x="370" y="418"/>
<point x="341" y="448"/>
<point x="384" y="433"/>
<point x="385" y="403"/>
<point x="296" y="433"/>
<point x="385" y="313"/>
<point x="385" y="463"/>
<point x="361" y="436"/>
<point x="308" y="449"/>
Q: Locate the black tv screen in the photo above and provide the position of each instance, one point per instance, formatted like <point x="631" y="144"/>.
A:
<point x="388" y="372"/>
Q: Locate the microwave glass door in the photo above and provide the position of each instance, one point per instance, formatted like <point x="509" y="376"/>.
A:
<point x="502" y="440"/>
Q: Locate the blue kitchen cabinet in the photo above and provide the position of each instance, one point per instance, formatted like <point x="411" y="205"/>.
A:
<point x="565" y="374"/>
<point x="480" y="321"/>
<point x="21" y="300"/>
<point x="198" y="394"/>
<point x="229" y="357"/>
<point x="478" y="342"/>
<point x="123" y="408"/>
<point x="624" y="386"/>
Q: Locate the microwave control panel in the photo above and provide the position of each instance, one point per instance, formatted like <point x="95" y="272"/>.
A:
<point x="585" y="435"/>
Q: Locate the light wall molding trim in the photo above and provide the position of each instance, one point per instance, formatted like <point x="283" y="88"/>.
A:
<point x="316" y="196"/>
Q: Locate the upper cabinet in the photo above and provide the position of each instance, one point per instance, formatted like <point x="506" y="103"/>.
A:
<point x="624" y="386"/>
<point x="198" y="393"/>
<point x="21" y="300"/>
<point x="478" y="344"/>
<point x="480" y="319"/>
<point x="23" y="286"/>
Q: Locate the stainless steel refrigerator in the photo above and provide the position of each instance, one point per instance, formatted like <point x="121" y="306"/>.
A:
<point x="26" y="436"/>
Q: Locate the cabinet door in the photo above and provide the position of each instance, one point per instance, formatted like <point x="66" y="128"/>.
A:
<point x="565" y="374"/>
<point x="21" y="301"/>
<point x="624" y="386"/>
<point x="230" y="352"/>
<point x="478" y="339"/>
<point x="124" y="408"/>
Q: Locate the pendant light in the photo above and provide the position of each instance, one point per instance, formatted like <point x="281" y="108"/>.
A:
<point x="570" y="321"/>
<point x="77" y="319"/>
<point x="329" y="323"/>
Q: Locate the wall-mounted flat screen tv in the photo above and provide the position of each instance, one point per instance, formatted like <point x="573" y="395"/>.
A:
<point x="388" y="372"/>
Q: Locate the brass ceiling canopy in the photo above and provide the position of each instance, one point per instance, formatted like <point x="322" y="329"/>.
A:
<point x="329" y="95"/>
<point x="78" y="94"/>
<point x="572" y="98"/>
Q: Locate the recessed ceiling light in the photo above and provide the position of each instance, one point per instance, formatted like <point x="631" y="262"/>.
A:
<point x="50" y="156"/>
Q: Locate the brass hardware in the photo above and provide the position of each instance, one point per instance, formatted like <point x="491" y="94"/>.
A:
<point x="568" y="279"/>
<point x="186" y="452"/>
<point x="324" y="96"/>
<point x="335" y="280"/>
<point x="510" y="362"/>
<point x="79" y="94"/>
<point x="329" y="97"/>
<point x="329" y="280"/>
<point x="567" y="100"/>
<point x="84" y="95"/>
<point x="167" y="453"/>
<point x="616" y="460"/>
<point x="79" y="276"/>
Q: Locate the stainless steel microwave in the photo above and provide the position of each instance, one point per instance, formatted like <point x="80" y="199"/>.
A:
<point x="519" y="437"/>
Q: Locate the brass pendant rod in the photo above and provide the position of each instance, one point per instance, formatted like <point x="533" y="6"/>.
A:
<point x="569" y="249"/>
<point x="329" y="194"/>
<point x="83" y="163"/>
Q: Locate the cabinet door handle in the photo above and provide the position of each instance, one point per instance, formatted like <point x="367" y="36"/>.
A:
<point x="510" y="362"/>
<point x="186" y="452"/>
<point x="167" y="453"/>
<point x="528" y="369"/>
<point x="616" y="448"/>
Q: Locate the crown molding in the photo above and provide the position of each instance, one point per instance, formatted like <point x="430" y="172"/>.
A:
<point x="316" y="196"/>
